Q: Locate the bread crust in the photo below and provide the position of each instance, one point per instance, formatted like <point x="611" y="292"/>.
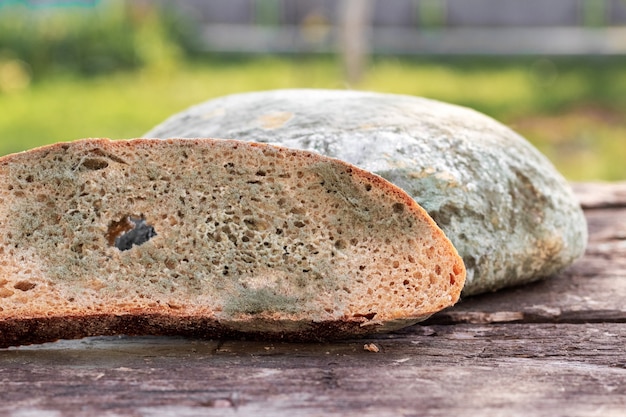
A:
<point x="89" y="161"/>
<point x="20" y="332"/>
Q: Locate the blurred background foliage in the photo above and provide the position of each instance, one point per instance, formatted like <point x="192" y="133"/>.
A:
<point x="91" y="41"/>
<point x="119" y="68"/>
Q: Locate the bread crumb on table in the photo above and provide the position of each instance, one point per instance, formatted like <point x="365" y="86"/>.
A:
<point x="371" y="347"/>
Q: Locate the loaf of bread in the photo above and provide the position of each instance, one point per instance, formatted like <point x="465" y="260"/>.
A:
<point x="211" y="238"/>
<point x="512" y="217"/>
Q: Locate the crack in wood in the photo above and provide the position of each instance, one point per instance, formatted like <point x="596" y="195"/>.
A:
<point x="578" y="317"/>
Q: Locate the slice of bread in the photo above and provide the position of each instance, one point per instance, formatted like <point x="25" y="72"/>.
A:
<point x="211" y="238"/>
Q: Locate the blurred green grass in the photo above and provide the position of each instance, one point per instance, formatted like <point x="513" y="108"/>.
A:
<point x="126" y="105"/>
<point x="120" y="68"/>
<point x="572" y="110"/>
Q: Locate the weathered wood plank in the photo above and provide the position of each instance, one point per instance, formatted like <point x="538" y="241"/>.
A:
<point x="590" y="291"/>
<point x="601" y="194"/>
<point x="536" y="369"/>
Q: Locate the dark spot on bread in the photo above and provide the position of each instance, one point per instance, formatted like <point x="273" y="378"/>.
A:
<point x="398" y="208"/>
<point x="24" y="285"/>
<point x="94" y="164"/>
<point x="129" y="231"/>
<point x="256" y="224"/>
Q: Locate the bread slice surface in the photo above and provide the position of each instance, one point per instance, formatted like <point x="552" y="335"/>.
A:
<point x="212" y="238"/>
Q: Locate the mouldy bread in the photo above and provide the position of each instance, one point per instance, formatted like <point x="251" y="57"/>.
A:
<point x="211" y="238"/>
<point x="510" y="214"/>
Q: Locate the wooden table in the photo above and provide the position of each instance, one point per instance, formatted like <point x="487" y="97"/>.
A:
<point x="554" y="348"/>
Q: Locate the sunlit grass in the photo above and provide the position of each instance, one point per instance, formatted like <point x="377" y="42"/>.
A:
<point x="127" y="105"/>
<point x="583" y="142"/>
<point x="504" y="88"/>
<point x="573" y="111"/>
<point x="453" y="84"/>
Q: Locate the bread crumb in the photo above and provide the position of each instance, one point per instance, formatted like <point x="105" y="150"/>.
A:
<point x="371" y="347"/>
<point x="219" y="403"/>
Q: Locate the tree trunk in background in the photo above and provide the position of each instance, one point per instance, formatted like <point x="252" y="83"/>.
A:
<point x="354" y="37"/>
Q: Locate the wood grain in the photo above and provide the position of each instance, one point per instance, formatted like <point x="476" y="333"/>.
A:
<point x="553" y="348"/>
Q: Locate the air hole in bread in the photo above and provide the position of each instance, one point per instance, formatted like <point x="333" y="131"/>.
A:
<point x="229" y="166"/>
<point x="452" y="279"/>
<point x="340" y="244"/>
<point x="24" y="285"/>
<point x="432" y="279"/>
<point x="256" y="224"/>
<point x="5" y="292"/>
<point x="94" y="164"/>
<point x="398" y="208"/>
<point x="368" y="316"/>
<point x="129" y="231"/>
